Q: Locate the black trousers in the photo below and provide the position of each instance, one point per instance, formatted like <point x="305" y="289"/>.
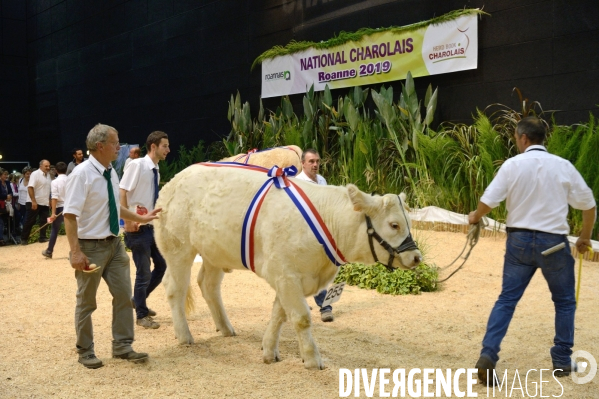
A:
<point x="43" y="211"/>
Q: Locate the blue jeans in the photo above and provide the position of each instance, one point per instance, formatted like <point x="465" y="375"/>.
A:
<point x="522" y="258"/>
<point x="55" y="229"/>
<point x="319" y="299"/>
<point x="22" y="215"/>
<point x="143" y="247"/>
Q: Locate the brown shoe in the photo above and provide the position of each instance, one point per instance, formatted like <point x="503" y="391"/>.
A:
<point x="133" y="357"/>
<point x="91" y="361"/>
<point x="150" y="311"/>
<point x="147" y="322"/>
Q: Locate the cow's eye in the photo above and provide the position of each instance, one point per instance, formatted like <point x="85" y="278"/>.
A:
<point x="395" y="226"/>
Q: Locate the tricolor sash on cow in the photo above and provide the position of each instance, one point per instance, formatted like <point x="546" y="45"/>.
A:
<point x="278" y="178"/>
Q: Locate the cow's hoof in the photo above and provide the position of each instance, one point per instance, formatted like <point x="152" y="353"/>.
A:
<point x="229" y="333"/>
<point x="271" y="359"/>
<point x="186" y="341"/>
<point x="314" y="364"/>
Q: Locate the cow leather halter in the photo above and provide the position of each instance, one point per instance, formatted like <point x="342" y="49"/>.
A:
<point x="407" y="245"/>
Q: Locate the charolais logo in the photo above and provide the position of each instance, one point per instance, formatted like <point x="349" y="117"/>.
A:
<point x="283" y="75"/>
<point x="447" y="50"/>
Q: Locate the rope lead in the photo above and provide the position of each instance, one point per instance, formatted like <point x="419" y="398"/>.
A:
<point x="472" y="239"/>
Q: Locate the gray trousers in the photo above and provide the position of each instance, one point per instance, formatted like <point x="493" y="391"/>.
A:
<point x="114" y="261"/>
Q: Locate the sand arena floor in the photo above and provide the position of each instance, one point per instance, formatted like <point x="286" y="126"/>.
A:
<point x="443" y="329"/>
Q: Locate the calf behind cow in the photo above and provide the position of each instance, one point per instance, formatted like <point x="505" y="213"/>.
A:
<point x="203" y="212"/>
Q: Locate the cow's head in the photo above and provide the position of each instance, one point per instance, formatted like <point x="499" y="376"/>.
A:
<point x="390" y="221"/>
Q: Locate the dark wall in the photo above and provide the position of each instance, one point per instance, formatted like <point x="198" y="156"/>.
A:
<point x="13" y="81"/>
<point x="144" y="65"/>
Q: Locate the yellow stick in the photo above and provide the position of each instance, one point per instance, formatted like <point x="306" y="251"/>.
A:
<point x="580" y="272"/>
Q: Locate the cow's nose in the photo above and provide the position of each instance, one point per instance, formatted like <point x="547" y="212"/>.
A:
<point x="417" y="260"/>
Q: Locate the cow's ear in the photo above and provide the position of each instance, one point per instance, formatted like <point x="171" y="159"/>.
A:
<point x="386" y="202"/>
<point x="361" y="201"/>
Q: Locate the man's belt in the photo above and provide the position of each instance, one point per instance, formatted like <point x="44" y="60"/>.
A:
<point x="109" y="238"/>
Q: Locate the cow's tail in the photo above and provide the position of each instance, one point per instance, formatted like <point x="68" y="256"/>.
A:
<point x="189" y="301"/>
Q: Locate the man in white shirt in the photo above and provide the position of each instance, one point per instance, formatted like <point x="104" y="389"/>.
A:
<point x="77" y="160"/>
<point x="57" y="189"/>
<point x="39" y="193"/>
<point x="134" y="153"/>
<point x="91" y="215"/>
<point x="310" y="167"/>
<point x="139" y="188"/>
<point x="537" y="187"/>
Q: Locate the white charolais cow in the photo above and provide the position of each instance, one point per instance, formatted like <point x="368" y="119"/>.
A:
<point x="203" y="212"/>
<point x="289" y="155"/>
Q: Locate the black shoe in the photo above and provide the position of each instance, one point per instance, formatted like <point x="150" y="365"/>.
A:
<point x="562" y="371"/>
<point x="133" y="357"/>
<point x="91" y="361"/>
<point x="485" y="367"/>
<point x="47" y="254"/>
<point x="43" y="240"/>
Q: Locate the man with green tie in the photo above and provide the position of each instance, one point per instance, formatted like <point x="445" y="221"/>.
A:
<point x="91" y="212"/>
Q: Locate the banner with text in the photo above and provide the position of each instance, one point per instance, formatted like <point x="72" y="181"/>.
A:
<point x="380" y="57"/>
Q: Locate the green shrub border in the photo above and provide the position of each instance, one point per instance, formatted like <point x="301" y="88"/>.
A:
<point x="398" y="282"/>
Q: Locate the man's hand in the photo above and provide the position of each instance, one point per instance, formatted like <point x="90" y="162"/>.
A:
<point x="150" y="216"/>
<point x="33" y="205"/>
<point x="79" y="261"/>
<point x="473" y="218"/>
<point x="583" y="245"/>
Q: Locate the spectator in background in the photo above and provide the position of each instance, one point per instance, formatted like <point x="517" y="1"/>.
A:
<point x="5" y="196"/>
<point x="39" y="193"/>
<point x="77" y="159"/>
<point x="23" y="197"/>
<point x="53" y="172"/>
<point x="58" y="190"/>
<point x="134" y="153"/>
<point x="14" y="185"/>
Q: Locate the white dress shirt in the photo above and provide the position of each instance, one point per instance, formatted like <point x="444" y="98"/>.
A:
<point x="86" y="196"/>
<point x="58" y="189"/>
<point x="23" y="192"/>
<point x="41" y="186"/>
<point x="319" y="179"/>
<point x="138" y="181"/>
<point x="127" y="162"/>
<point x="538" y="187"/>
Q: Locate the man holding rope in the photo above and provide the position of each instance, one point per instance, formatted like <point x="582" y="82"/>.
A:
<point x="537" y="187"/>
<point x="57" y="202"/>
